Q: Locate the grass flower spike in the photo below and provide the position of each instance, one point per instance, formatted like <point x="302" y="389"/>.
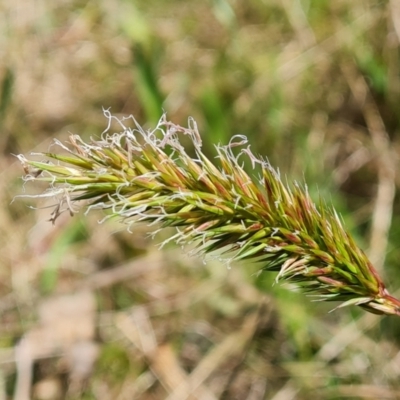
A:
<point x="149" y="177"/>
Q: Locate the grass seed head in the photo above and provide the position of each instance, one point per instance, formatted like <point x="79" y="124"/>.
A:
<point x="142" y="176"/>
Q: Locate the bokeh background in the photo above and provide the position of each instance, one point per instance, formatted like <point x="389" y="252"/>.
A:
<point x="91" y="311"/>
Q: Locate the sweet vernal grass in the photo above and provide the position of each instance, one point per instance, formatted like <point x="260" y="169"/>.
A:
<point x="149" y="177"/>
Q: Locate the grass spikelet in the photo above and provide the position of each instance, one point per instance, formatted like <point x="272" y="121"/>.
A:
<point x="149" y="177"/>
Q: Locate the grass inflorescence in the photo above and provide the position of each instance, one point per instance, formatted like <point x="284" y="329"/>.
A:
<point x="148" y="176"/>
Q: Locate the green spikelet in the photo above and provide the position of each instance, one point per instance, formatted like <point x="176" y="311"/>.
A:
<point x="148" y="177"/>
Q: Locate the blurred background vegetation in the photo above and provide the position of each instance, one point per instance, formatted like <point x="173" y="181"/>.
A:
<point x="95" y="312"/>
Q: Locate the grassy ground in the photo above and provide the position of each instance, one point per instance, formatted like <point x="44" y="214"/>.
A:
<point x="91" y="311"/>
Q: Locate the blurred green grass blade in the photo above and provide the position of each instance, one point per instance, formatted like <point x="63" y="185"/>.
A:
<point x="146" y="82"/>
<point x="7" y="85"/>
<point x="224" y="13"/>
<point x="216" y="115"/>
<point x="376" y="71"/>
<point x="135" y="26"/>
<point x="71" y="234"/>
<point x="134" y="23"/>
